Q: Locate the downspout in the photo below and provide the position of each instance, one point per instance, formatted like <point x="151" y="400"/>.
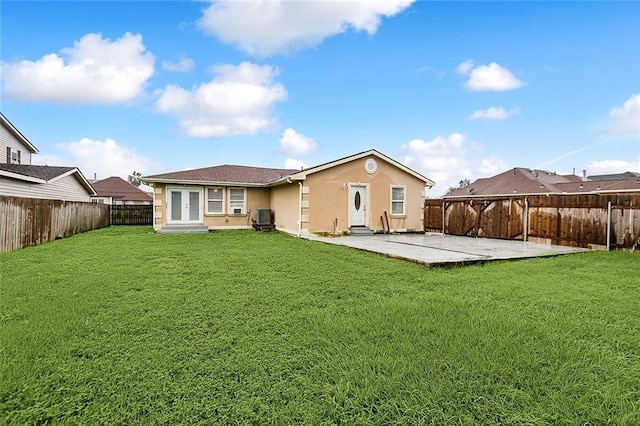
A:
<point x="299" y="209"/>
<point x="608" y="225"/>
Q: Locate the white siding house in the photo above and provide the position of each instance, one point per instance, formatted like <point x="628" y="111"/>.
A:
<point x="14" y="147"/>
<point x="20" y="178"/>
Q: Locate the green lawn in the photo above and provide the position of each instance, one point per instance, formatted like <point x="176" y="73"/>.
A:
<point x="125" y="326"/>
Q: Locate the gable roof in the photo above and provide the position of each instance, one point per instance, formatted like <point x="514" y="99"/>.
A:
<point x="43" y="174"/>
<point x="116" y="187"/>
<point x="302" y="174"/>
<point x="522" y="181"/>
<point x="6" y="123"/>
<point x="222" y="175"/>
<point x="258" y="176"/>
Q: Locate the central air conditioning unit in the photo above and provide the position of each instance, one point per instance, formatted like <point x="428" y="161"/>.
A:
<point x="263" y="216"/>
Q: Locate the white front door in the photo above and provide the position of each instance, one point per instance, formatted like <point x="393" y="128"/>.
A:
<point x="184" y="205"/>
<point x="357" y="205"/>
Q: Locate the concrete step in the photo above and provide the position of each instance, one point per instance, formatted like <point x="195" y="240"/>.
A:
<point x="184" y="229"/>
<point x="360" y="231"/>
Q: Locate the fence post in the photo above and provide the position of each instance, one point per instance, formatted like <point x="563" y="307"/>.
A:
<point x="608" y="225"/>
<point x="443" y="217"/>
<point x="526" y="220"/>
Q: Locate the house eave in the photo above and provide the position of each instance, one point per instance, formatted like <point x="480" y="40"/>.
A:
<point x="204" y="183"/>
<point x="18" y="176"/>
<point x="17" y="134"/>
<point x="301" y="175"/>
<point x="287" y="180"/>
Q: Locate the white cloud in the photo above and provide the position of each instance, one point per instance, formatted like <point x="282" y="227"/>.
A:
<point x="267" y="27"/>
<point x="294" y="143"/>
<point x="238" y="101"/>
<point x="489" y="167"/>
<point x="94" y="70"/>
<point x="492" y="77"/>
<point x="291" y="163"/>
<point x="465" y="67"/>
<point x="448" y="160"/>
<point x="106" y="158"/>
<point x="183" y="65"/>
<point x="48" y="160"/>
<point x="626" y="119"/>
<point x="613" y="166"/>
<point x="439" y="74"/>
<point x="493" y="114"/>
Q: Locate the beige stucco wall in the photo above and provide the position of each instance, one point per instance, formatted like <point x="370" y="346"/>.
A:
<point x="325" y="198"/>
<point x="320" y="203"/>
<point x="255" y="198"/>
<point x="285" y="199"/>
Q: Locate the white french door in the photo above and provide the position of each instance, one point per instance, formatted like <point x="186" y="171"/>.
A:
<point x="184" y="205"/>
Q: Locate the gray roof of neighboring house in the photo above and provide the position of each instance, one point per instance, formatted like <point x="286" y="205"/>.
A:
<point x="118" y="188"/>
<point x="228" y="174"/>
<point x="519" y="181"/>
<point x="615" y="176"/>
<point x="43" y="174"/>
<point x="39" y="172"/>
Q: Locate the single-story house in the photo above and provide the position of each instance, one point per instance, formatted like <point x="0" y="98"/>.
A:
<point x="521" y="181"/>
<point x="20" y="178"/>
<point x="115" y="190"/>
<point x="366" y="192"/>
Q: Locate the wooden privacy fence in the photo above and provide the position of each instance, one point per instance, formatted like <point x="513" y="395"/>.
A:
<point x="29" y="221"/>
<point x="131" y="214"/>
<point x="589" y="220"/>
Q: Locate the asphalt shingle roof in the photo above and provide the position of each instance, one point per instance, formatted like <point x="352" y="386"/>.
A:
<point x="119" y="188"/>
<point x="525" y="181"/>
<point x="39" y="172"/>
<point x="227" y="174"/>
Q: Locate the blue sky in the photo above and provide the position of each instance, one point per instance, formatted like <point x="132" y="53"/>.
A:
<point x="455" y="90"/>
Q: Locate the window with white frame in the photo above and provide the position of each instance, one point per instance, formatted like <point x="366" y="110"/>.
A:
<point x="237" y="204"/>
<point x="398" y="200"/>
<point x="13" y="156"/>
<point x="215" y="200"/>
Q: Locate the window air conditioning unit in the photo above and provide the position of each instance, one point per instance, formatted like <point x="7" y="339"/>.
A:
<point x="237" y="211"/>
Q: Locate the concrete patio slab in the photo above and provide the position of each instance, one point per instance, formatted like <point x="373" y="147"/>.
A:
<point x="437" y="249"/>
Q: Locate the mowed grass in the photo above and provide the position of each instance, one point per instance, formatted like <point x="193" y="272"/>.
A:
<point x="126" y="326"/>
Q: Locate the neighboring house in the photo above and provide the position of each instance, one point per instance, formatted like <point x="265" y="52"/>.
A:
<point x="521" y="181"/>
<point x="350" y="194"/>
<point x="115" y="190"/>
<point x="20" y="178"/>
<point x="14" y="147"/>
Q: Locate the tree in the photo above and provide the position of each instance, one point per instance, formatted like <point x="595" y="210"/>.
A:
<point x="461" y="184"/>
<point x="134" y="178"/>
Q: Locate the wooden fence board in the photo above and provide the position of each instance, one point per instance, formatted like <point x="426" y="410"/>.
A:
<point x="131" y="215"/>
<point x="578" y="220"/>
<point x="29" y="221"/>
